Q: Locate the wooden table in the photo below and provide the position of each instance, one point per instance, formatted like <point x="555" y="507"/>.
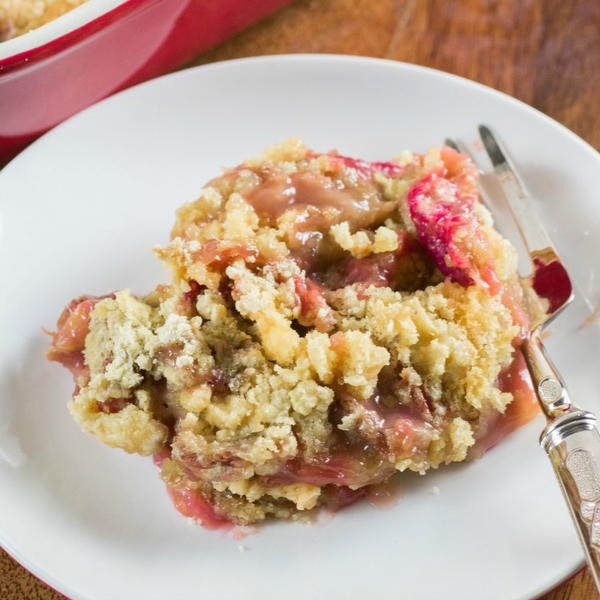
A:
<point x="544" y="52"/>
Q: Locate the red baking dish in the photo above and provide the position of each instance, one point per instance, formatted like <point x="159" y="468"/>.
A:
<point x="103" y="46"/>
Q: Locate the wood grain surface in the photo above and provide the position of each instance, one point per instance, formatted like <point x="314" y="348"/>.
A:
<point x="544" y="52"/>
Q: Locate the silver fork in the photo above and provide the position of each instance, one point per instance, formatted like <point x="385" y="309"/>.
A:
<point x="570" y="438"/>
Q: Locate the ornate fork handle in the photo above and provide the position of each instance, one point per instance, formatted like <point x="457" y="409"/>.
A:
<point x="573" y="445"/>
<point x="572" y="442"/>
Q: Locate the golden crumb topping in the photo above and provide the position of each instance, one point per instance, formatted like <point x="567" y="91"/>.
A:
<point x="20" y="16"/>
<point x="329" y="321"/>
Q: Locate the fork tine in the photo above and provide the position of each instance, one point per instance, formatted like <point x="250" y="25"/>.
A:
<point x="541" y="251"/>
<point x="452" y="144"/>
<point x="463" y="149"/>
<point x="534" y="234"/>
<point x="549" y="278"/>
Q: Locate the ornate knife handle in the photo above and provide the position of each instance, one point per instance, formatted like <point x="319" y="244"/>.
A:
<point x="573" y="445"/>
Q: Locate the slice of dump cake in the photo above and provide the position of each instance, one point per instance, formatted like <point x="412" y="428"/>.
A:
<point x="330" y="321"/>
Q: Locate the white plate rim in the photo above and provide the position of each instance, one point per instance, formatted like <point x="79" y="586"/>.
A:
<point x="37" y="570"/>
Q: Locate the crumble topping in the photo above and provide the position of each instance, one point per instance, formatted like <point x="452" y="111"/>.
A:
<point x="20" y="16"/>
<point x="329" y="321"/>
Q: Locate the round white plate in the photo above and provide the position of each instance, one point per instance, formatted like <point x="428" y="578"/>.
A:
<point x="81" y="209"/>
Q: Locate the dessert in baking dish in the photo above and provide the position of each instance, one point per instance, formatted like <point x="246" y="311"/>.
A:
<point x="20" y="16"/>
<point x="329" y="322"/>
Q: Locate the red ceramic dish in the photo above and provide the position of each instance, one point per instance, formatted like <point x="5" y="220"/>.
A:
<point x="101" y="47"/>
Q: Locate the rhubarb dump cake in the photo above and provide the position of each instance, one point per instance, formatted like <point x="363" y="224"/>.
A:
<point x="329" y="322"/>
<point x="20" y="16"/>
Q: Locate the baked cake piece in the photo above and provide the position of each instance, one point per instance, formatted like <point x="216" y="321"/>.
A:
<point x="329" y="322"/>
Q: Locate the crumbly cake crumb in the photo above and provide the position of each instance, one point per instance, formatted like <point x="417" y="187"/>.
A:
<point x="329" y="321"/>
<point x="20" y="16"/>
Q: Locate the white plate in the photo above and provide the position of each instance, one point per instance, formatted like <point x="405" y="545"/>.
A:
<point x="81" y="209"/>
